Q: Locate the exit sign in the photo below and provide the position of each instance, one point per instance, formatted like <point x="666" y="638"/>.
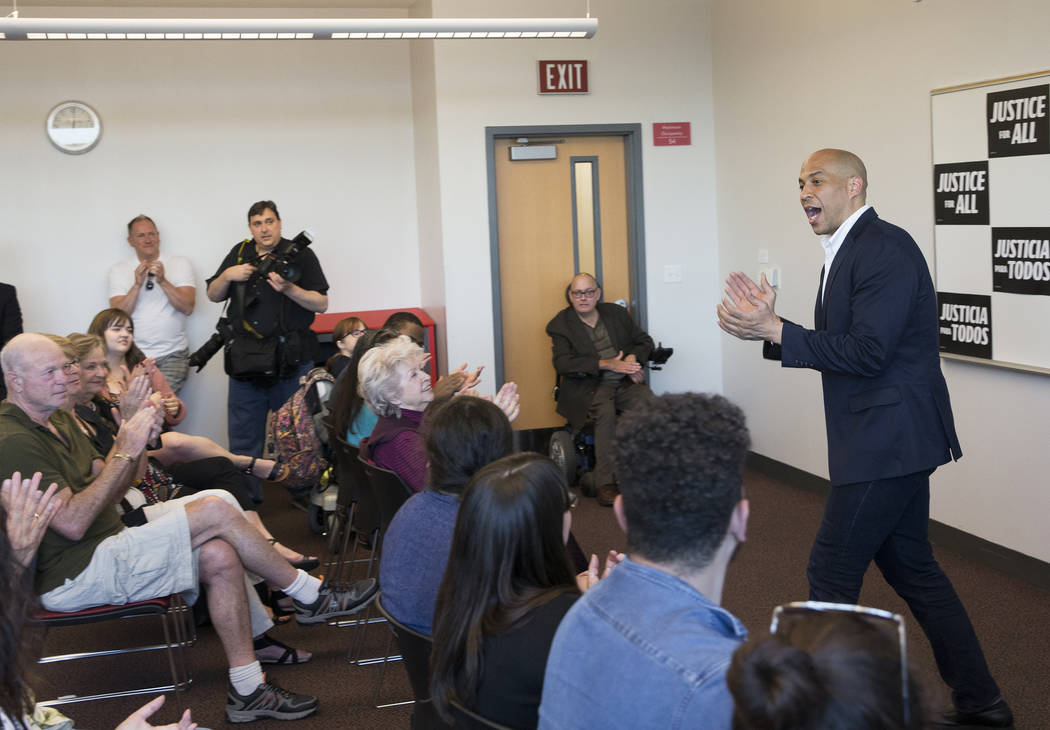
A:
<point x="563" y="77"/>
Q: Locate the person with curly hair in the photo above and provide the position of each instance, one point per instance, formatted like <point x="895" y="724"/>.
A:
<point x="653" y="634"/>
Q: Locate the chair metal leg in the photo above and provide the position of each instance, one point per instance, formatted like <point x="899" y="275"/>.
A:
<point x="177" y="636"/>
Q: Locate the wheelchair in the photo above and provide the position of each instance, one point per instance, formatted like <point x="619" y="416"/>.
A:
<point x="573" y="450"/>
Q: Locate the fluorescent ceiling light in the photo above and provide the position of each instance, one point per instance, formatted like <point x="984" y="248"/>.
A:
<point x="64" y="29"/>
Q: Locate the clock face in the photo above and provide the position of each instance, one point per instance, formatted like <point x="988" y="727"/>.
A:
<point x="74" y="127"/>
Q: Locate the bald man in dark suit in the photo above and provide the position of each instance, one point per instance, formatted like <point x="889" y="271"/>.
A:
<point x="888" y="415"/>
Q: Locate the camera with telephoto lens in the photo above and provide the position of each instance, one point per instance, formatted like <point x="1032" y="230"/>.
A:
<point x="223" y="334"/>
<point x="283" y="262"/>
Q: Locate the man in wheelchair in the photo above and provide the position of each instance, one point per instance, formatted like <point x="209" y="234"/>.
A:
<point x="598" y="354"/>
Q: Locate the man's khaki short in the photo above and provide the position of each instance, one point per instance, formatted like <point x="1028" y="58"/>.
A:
<point x="150" y="561"/>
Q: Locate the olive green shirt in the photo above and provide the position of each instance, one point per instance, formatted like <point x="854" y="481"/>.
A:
<point x="28" y="447"/>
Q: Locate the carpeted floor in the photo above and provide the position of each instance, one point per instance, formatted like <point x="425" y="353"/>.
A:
<point x="1010" y="617"/>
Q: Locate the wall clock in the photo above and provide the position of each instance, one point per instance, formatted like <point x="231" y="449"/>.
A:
<point x="73" y="127"/>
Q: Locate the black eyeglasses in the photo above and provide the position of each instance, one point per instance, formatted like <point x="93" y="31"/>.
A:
<point x="582" y="293"/>
<point x="799" y="608"/>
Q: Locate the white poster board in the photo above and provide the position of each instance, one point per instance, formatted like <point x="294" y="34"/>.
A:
<point x="991" y="195"/>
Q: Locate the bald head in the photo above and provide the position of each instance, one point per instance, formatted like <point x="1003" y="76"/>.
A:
<point x="23" y="350"/>
<point x="37" y="375"/>
<point x="843" y="163"/>
<point x="832" y="186"/>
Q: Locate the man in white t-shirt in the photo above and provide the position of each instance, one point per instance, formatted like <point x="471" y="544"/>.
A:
<point x="158" y="292"/>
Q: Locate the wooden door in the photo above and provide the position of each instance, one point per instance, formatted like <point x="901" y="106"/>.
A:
<point x="555" y="218"/>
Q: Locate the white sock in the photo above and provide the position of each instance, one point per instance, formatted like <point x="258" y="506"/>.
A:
<point x="246" y="679"/>
<point x="304" y="588"/>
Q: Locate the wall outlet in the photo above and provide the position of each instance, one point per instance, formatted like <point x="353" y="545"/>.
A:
<point x="672" y="273"/>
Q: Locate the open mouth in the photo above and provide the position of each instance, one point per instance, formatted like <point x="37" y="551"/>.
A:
<point x="812" y="213"/>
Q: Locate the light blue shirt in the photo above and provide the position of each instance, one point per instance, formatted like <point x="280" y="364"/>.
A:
<point x="642" y="649"/>
<point x="362" y="426"/>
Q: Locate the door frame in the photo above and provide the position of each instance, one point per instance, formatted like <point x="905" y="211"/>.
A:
<point x="632" y="134"/>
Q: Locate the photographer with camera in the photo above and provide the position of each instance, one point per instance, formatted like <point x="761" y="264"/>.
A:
<point x="274" y="287"/>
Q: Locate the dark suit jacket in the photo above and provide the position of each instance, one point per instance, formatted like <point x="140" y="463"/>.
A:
<point x="576" y="360"/>
<point x="875" y="343"/>
<point x="10" y="322"/>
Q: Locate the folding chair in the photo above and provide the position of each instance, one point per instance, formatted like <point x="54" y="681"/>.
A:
<point x="388" y="493"/>
<point x="415" y="651"/>
<point x="177" y="636"/>
<point x="356" y="513"/>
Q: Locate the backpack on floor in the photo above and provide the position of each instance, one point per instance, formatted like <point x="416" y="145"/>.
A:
<point x="296" y="432"/>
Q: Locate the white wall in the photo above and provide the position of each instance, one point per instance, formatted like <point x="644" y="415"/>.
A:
<point x="793" y="76"/>
<point x="428" y="185"/>
<point x="648" y="62"/>
<point x="193" y="134"/>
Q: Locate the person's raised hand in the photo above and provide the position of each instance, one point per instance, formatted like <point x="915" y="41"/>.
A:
<point x="132" y="399"/>
<point x="746" y="311"/>
<point x="138" y="431"/>
<point x="508" y="400"/>
<point x="141" y="271"/>
<point x="29" y="512"/>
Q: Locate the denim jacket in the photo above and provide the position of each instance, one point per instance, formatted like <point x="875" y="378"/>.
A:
<point x="642" y="649"/>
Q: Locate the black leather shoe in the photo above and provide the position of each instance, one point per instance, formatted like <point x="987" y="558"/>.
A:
<point x="995" y="715"/>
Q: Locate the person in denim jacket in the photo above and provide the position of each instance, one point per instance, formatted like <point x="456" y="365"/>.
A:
<point x="649" y="645"/>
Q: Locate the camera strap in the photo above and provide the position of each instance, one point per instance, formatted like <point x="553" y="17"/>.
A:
<point x="239" y="291"/>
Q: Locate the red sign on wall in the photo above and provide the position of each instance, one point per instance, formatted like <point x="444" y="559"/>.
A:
<point x="563" y="77"/>
<point x="671" y="134"/>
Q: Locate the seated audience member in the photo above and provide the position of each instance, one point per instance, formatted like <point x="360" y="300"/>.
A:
<point x="396" y="386"/>
<point x="408" y="324"/>
<point x="346" y="334"/>
<point x="125" y="361"/>
<point x="88" y="557"/>
<point x="649" y="646"/>
<point x="465" y="434"/>
<point x="824" y="671"/>
<point x="25" y="513"/>
<point x="507" y="586"/>
<point x="599" y="353"/>
<point x="117" y="331"/>
<point x="350" y="412"/>
<point x="93" y="418"/>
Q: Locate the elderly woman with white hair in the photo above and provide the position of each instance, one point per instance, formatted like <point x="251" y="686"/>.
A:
<point x="395" y="384"/>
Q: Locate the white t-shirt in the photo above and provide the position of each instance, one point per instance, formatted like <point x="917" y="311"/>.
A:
<point x="160" y="329"/>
